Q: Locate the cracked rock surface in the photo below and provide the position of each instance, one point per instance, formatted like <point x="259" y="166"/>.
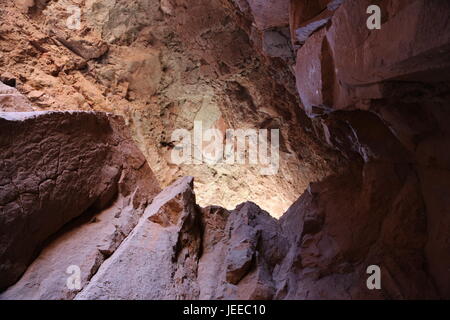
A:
<point x="364" y="151"/>
<point x="55" y="166"/>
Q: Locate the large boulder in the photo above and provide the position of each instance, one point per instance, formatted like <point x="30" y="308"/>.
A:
<point x="11" y="99"/>
<point x="55" y="166"/>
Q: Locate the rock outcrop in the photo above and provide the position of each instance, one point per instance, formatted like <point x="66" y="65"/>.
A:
<point x="371" y="215"/>
<point x="393" y="87"/>
<point x="55" y="167"/>
<point x="12" y="100"/>
<point x="163" y="251"/>
<point x="380" y="97"/>
<point x="320" y="249"/>
<point x="363" y="116"/>
<point x="176" y="250"/>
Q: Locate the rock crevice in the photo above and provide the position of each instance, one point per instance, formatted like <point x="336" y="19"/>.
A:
<point x="363" y="118"/>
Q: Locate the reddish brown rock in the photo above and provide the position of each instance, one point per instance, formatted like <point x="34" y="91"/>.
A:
<point x="179" y="251"/>
<point x="305" y="17"/>
<point x="376" y="98"/>
<point x="269" y="13"/>
<point x="241" y="250"/>
<point x="11" y="100"/>
<point x="56" y="166"/>
<point x="314" y="74"/>
<point x="83" y="48"/>
<point x="364" y="56"/>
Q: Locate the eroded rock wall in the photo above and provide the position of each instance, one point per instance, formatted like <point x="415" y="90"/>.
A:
<point x="381" y="98"/>
<point x="55" y="166"/>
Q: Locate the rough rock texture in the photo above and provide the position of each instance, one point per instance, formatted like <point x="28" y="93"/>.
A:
<point x="350" y="222"/>
<point x="163" y="65"/>
<point x="55" y="166"/>
<point x="353" y="63"/>
<point x="12" y="100"/>
<point x="405" y="87"/>
<point x="305" y="17"/>
<point x="163" y="250"/>
<point x="180" y="251"/>
<point x="381" y="98"/>
<point x="243" y="246"/>
<point x="269" y="13"/>
<point x="371" y="124"/>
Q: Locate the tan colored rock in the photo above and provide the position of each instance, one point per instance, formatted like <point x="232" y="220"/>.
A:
<point x="83" y="48"/>
<point x="162" y="251"/>
<point x="140" y="70"/>
<point x="120" y="21"/>
<point x="161" y="73"/>
<point x="306" y="17"/>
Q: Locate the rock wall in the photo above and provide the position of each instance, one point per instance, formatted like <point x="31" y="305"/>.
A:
<point x="363" y="115"/>
<point x="163" y="65"/>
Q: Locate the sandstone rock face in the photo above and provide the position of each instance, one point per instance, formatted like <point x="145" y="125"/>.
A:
<point x="354" y="62"/>
<point x="387" y="80"/>
<point x="56" y="166"/>
<point x="162" y="250"/>
<point x="353" y="221"/>
<point x="244" y="246"/>
<point x="269" y="13"/>
<point x="305" y="17"/>
<point x="179" y="251"/>
<point x="393" y="85"/>
<point x="363" y="116"/>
